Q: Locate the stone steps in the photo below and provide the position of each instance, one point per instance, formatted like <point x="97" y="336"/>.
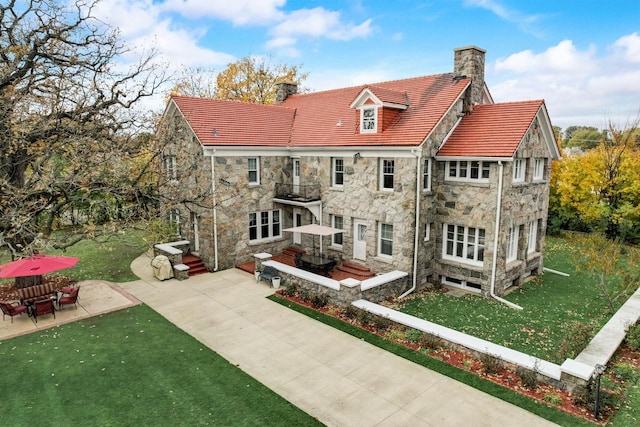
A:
<point x="196" y="266"/>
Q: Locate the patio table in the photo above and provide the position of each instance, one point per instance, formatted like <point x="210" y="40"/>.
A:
<point x="317" y="263"/>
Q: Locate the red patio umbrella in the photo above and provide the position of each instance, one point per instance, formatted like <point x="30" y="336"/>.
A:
<point x="36" y="265"/>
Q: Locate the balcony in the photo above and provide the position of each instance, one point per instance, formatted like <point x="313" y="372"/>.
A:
<point x="297" y="193"/>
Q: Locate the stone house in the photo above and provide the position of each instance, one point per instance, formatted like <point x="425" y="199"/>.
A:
<point x="426" y="175"/>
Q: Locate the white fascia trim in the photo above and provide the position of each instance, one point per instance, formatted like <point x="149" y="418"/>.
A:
<point x="396" y="106"/>
<point x="547" y="131"/>
<point x="364" y="95"/>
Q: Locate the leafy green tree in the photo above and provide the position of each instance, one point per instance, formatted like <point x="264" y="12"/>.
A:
<point x="68" y="125"/>
<point x="586" y="138"/>
<point x="254" y="80"/>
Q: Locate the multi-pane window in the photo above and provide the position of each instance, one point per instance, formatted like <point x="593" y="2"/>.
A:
<point x="264" y="225"/>
<point x="174" y="221"/>
<point x="426" y="175"/>
<point x="468" y="170"/>
<point x="512" y="244"/>
<point x="386" y="174"/>
<point x="464" y="244"/>
<point x="254" y="170"/>
<point x="385" y="247"/>
<point x="519" y="166"/>
<point x="170" y="166"/>
<point x="369" y="119"/>
<point x="533" y="236"/>
<point x="338" y="172"/>
<point x="538" y="169"/>
<point x="337" y="222"/>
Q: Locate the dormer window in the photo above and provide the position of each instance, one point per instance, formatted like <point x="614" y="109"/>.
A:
<point x="369" y="119"/>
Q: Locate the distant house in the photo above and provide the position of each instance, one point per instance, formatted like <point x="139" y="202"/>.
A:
<point x="426" y="175"/>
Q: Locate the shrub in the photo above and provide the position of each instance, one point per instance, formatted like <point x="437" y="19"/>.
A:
<point x="364" y="317"/>
<point x="429" y="341"/>
<point x="350" y="312"/>
<point x="633" y="337"/>
<point x="490" y="364"/>
<point x="381" y="323"/>
<point x="290" y="290"/>
<point x="528" y="378"/>
<point x="587" y="396"/>
<point x="304" y="295"/>
<point x="319" y="301"/>
<point x="578" y="336"/>
<point x="552" y="398"/>
<point x="396" y="335"/>
<point x="413" y="335"/>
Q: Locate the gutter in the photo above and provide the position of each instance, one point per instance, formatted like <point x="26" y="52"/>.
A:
<point x="215" y="214"/>
<point x="417" y="228"/>
<point x="495" y="242"/>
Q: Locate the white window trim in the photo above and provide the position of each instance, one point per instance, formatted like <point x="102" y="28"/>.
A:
<point x="481" y="165"/>
<point x="259" y="238"/>
<point x="426" y="173"/>
<point x="333" y="224"/>
<point x="380" y="254"/>
<point x="538" y="168"/>
<point x="519" y="170"/>
<point x="466" y="245"/>
<point x="375" y="118"/>
<point x="170" y="164"/>
<point x="533" y="237"/>
<point x="257" y="170"/>
<point x="334" y="172"/>
<point x="382" y="175"/>
<point x="427" y="232"/>
<point x="175" y="221"/>
<point x="512" y="244"/>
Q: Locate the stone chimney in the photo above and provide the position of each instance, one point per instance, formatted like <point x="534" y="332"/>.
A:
<point x="284" y="90"/>
<point x="469" y="62"/>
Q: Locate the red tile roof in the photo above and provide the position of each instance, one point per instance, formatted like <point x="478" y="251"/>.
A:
<point x="324" y="118"/>
<point x="491" y="130"/>
<point x="236" y="123"/>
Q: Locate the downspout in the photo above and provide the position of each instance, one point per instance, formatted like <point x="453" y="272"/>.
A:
<point x="495" y="242"/>
<point x="417" y="230"/>
<point x="215" y="214"/>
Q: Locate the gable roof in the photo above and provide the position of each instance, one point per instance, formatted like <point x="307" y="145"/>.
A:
<point x="492" y="130"/>
<point x="324" y="118"/>
<point x="235" y="123"/>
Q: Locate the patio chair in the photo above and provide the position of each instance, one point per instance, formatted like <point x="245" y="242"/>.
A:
<point x="297" y="258"/>
<point x="11" y="310"/>
<point x="71" y="298"/>
<point x="269" y="273"/>
<point x="43" y="307"/>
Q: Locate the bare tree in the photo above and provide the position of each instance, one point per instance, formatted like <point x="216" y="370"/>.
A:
<point x="69" y="139"/>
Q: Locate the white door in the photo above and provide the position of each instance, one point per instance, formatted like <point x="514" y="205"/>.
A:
<point x="296" y="176"/>
<point x="359" y="240"/>
<point x="297" y="222"/>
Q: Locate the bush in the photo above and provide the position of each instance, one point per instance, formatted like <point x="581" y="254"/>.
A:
<point x="319" y="301"/>
<point x="395" y="335"/>
<point x="633" y="337"/>
<point x="429" y="341"/>
<point x="364" y="317"/>
<point x="624" y="371"/>
<point x="552" y="398"/>
<point x="304" y="295"/>
<point x="350" y="312"/>
<point x="490" y="363"/>
<point x="381" y="323"/>
<point x="528" y="378"/>
<point x="413" y="335"/>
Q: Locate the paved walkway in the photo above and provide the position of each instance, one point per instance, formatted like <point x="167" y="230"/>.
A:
<point x="331" y="375"/>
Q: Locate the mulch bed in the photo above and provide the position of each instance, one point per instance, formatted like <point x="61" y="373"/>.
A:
<point x="543" y="393"/>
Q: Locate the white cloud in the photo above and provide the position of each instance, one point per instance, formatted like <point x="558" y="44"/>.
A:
<point x="318" y="23"/>
<point x="240" y="12"/>
<point x="580" y="87"/>
<point x="526" y="23"/>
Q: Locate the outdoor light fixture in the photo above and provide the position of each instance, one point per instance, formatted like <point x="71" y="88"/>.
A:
<point x="356" y="157"/>
<point x="599" y="370"/>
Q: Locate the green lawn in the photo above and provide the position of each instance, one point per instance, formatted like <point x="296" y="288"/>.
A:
<point x="131" y="367"/>
<point x="551" y="305"/>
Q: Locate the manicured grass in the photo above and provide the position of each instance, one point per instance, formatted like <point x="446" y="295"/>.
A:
<point x="551" y="305"/>
<point x="131" y="367"/>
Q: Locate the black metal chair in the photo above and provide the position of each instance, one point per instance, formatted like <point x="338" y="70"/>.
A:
<point x="268" y="273"/>
<point x="297" y="258"/>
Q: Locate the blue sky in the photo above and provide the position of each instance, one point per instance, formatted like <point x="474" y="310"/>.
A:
<point x="581" y="56"/>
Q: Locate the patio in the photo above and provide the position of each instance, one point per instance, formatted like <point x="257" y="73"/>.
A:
<point x="96" y="297"/>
